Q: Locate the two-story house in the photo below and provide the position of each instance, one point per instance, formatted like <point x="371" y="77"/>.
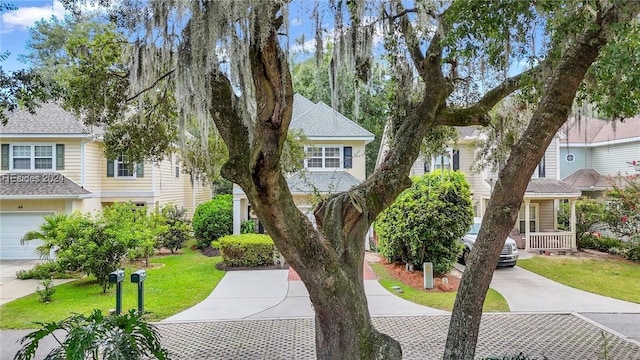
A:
<point x="335" y="158"/>
<point x="540" y="202"/>
<point x="595" y="152"/>
<point x="52" y="163"/>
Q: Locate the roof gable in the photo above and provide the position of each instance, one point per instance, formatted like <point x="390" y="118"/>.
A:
<point x="50" y="118"/>
<point x="322" y="121"/>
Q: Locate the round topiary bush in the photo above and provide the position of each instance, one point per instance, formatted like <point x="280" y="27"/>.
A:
<point x="213" y="220"/>
<point x="427" y="221"/>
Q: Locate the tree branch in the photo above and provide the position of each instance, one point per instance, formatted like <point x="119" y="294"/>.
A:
<point x="478" y="113"/>
<point x="151" y="86"/>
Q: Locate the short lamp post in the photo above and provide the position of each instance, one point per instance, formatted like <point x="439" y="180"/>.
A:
<point x="116" y="277"/>
<point x="138" y="277"/>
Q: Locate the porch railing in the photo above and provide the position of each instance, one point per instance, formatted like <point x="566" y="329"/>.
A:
<point x="562" y="240"/>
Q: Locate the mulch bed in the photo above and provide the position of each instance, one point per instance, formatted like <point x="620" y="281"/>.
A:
<point x="210" y="252"/>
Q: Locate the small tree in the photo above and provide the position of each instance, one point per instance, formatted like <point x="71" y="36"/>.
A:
<point x="213" y="220"/>
<point x="625" y="209"/>
<point x="176" y="231"/>
<point x="427" y="221"/>
<point x="591" y="216"/>
<point x="48" y="234"/>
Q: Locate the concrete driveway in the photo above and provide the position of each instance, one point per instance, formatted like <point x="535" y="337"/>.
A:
<point x="12" y="288"/>
<point x="529" y="292"/>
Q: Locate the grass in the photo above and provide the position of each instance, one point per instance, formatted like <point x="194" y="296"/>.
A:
<point x="612" y="278"/>
<point x="183" y="281"/>
<point x="439" y="300"/>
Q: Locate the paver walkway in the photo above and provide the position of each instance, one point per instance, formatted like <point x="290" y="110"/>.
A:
<point x="556" y="336"/>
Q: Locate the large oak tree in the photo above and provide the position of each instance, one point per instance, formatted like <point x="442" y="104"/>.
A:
<point x="226" y="63"/>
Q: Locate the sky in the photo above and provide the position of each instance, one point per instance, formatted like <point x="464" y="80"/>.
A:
<point x="14" y="27"/>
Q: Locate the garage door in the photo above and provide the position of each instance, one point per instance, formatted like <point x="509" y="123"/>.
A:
<point x="13" y="226"/>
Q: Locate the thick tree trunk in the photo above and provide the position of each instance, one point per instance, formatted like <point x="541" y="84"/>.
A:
<point x="502" y="211"/>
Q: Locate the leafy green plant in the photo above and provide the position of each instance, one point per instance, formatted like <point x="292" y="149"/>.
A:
<point x="623" y="206"/>
<point x="426" y="222"/>
<point x="248" y="227"/>
<point x="126" y="336"/>
<point x="176" y="230"/>
<point x="213" y="220"/>
<point x="605" y="243"/>
<point x="633" y="252"/>
<point x="591" y="216"/>
<point x="48" y="234"/>
<point x="247" y="249"/>
<point x="46" y="291"/>
<point x="49" y="269"/>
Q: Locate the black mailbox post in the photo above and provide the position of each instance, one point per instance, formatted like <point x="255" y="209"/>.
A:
<point x="116" y="277"/>
<point x="138" y="277"/>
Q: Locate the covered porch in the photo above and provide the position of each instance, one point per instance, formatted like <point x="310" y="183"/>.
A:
<point x="538" y="217"/>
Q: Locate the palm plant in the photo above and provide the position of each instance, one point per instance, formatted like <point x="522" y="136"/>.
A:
<point x="48" y="233"/>
<point x="126" y="336"/>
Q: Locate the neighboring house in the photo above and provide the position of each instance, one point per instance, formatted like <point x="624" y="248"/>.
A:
<point x="335" y="159"/>
<point x="541" y="199"/>
<point x="52" y="163"/>
<point x="595" y="152"/>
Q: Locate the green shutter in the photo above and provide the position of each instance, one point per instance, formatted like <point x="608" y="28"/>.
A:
<point x="5" y="156"/>
<point x="109" y="168"/>
<point x="140" y="170"/>
<point x="59" y="156"/>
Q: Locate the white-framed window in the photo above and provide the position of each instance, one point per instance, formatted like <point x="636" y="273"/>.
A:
<point x="323" y="157"/>
<point x="442" y="162"/>
<point x="569" y="157"/>
<point x="124" y="168"/>
<point x="534" y="210"/>
<point x="40" y="157"/>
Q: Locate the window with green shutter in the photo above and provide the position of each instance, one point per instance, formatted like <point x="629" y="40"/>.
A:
<point x="59" y="156"/>
<point x="5" y="156"/>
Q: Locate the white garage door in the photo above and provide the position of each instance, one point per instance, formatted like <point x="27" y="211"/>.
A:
<point x="13" y="226"/>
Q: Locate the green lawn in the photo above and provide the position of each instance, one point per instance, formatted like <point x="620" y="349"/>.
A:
<point x="183" y="281"/>
<point x="616" y="279"/>
<point x="439" y="300"/>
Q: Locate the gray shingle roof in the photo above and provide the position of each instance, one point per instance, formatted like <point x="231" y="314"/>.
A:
<point x="50" y="118"/>
<point x="320" y="120"/>
<point x="324" y="182"/>
<point x="39" y="184"/>
<point x="591" y="180"/>
<point x="549" y="187"/>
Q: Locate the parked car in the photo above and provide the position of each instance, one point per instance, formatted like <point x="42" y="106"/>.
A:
<point x="508" y="256"/>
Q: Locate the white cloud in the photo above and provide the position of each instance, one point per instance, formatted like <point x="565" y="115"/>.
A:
<point x="23" y="18"/>
<point x="296" y="22"/>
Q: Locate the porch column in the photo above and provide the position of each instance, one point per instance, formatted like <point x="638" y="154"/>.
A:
<point x="236" y="216"/>
<point x="527" y="224"/>
<point x="572" y="223"/>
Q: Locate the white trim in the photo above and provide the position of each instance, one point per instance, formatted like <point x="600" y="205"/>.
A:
<point x="557" y="158"/>
<point x="45" y="136"/>
<point x="127" y="194"/>
<point x="602" y="143"/>
<point x="39" y="197"/>
<point x="341" y="138"/>
<point x="552" y="195"/>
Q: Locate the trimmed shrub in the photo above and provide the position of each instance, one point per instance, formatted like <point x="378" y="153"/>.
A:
<point x="248" y="227"/>
<point x="213" y="220"/>
<point x="427" y="221"/>
<point x="247" y="249"/>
